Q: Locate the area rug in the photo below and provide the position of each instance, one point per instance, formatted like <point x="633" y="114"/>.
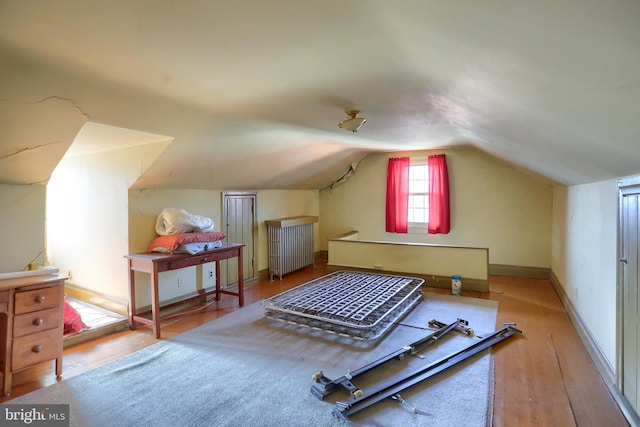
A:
<point x="246" y="370"/>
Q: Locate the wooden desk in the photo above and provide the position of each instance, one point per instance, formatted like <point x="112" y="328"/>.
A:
<point x="154" y="263"/>
<point x="31" y="323"/>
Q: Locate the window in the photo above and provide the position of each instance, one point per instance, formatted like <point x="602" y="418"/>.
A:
<point x="418" y="214"/>
<point x="418" y="194"/>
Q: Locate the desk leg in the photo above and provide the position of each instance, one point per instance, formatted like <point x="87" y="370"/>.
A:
<point x="218" y="288"/>
<point x="132" y="297"/>
<point x="240" y="279"/>
<point x="155" y="302"/>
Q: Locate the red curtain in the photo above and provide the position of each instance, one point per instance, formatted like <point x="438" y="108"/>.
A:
<point x="398" y="195"/>
<point x="439" y="218"/>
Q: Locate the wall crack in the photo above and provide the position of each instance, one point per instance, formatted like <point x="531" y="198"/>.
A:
<point x="22" y="150"/>
<point x="54" y="97"/>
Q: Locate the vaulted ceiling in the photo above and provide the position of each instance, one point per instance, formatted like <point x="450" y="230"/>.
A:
<point x="250" y="92"/>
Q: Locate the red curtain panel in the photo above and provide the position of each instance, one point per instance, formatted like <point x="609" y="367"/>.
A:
<point x="439" y="216"/>
<point x="398" y="195"/>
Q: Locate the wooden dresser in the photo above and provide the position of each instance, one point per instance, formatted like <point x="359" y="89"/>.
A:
<point x="31" y="324"/>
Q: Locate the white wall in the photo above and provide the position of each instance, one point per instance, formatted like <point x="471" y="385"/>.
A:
<point x="22" y="226"/>
<point x="493" y="205"/>
<point x="584" y="256"/>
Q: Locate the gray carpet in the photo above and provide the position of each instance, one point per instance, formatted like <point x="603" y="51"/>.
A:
<point x="246" y="370"/>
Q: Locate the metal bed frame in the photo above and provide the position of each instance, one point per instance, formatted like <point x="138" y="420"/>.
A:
<point x="355" y="304"/>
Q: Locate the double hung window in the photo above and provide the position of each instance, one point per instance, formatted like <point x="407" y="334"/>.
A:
<point x="418" y="195"/>
<point x="418" y="214"/>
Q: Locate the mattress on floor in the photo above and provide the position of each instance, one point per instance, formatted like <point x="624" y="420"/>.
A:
<point x="355" y="304"/>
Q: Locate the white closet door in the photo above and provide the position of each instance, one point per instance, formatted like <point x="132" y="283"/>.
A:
<point x="629" y="363"/>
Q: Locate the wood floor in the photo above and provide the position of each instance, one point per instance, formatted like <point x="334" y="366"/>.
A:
<point x="544" y="378"/>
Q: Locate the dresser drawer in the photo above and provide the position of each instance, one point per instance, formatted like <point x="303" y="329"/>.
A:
<point x="38" y="299"/>
<point x="36" y="348"/>
<point x="36" y="321"/>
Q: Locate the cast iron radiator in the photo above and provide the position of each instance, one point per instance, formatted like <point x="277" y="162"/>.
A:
<point x="355" y="304"/>
<point x="290" y="244"/>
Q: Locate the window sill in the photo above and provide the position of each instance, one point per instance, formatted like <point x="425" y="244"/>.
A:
<point x="417" y="228"/>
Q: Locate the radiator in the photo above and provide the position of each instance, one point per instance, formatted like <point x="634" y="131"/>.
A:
<point x="290" y="244"/>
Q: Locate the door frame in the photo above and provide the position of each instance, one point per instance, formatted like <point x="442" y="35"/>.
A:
<point x="626" y="187"/>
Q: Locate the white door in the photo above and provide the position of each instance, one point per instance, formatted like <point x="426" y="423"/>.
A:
<point x="241" y="226"/>
<point x="628" y="298"/>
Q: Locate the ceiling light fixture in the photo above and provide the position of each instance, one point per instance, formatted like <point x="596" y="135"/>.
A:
<point x="354" y="123"/>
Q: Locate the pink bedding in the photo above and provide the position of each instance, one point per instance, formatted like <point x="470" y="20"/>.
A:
<point x="72" y="320"/>
<point x="172" y="242"/>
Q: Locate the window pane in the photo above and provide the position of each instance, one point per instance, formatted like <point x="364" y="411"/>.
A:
<point x="418" y="194"/>
<point x="417" y="201"/>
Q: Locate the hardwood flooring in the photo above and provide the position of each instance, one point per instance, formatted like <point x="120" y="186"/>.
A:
<point x="544" y="378"/>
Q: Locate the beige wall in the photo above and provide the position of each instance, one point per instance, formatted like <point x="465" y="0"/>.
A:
<point x="87" y="216"/>
<point x="274" y="204"/>
<point x="93" y="220"/>
<point x="414" y="258"/>
<point x="145" y="205"/>
<point x="559" y="242"/>
<point x="493" y="205"/>
<point x="22" y="226"/>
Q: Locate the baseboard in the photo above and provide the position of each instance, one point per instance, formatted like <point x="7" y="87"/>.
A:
<point x="443" y="282"/>
<point x="177" y="304"/>
<point x="434" y="281"/>
<point x="603" y="366"/>
<point x="606" y="371"/>
<point x="264" y="275"/>
<point x="121" y="306"/>
<point x="319" y="256"/>
<point x="519" y="271"/>
<point x="630" y="414"/>
<point x="108" y="302"/>
<point x="94" y="333"/>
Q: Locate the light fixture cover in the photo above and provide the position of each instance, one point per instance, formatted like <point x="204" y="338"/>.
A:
<point x="354" y="123"/>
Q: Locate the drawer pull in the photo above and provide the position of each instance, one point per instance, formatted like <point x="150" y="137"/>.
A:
<point x="40" y="299"/>
<point x="36" y="348"/>
<point x="39" y="321"/>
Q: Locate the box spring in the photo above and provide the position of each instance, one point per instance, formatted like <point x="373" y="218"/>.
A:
<point x="355" y="304"/>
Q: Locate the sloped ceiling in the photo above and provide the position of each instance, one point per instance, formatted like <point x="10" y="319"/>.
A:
<point x="251" y="91"/>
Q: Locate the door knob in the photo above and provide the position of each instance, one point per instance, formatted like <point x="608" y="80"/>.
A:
<point x="623" y="260"/>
